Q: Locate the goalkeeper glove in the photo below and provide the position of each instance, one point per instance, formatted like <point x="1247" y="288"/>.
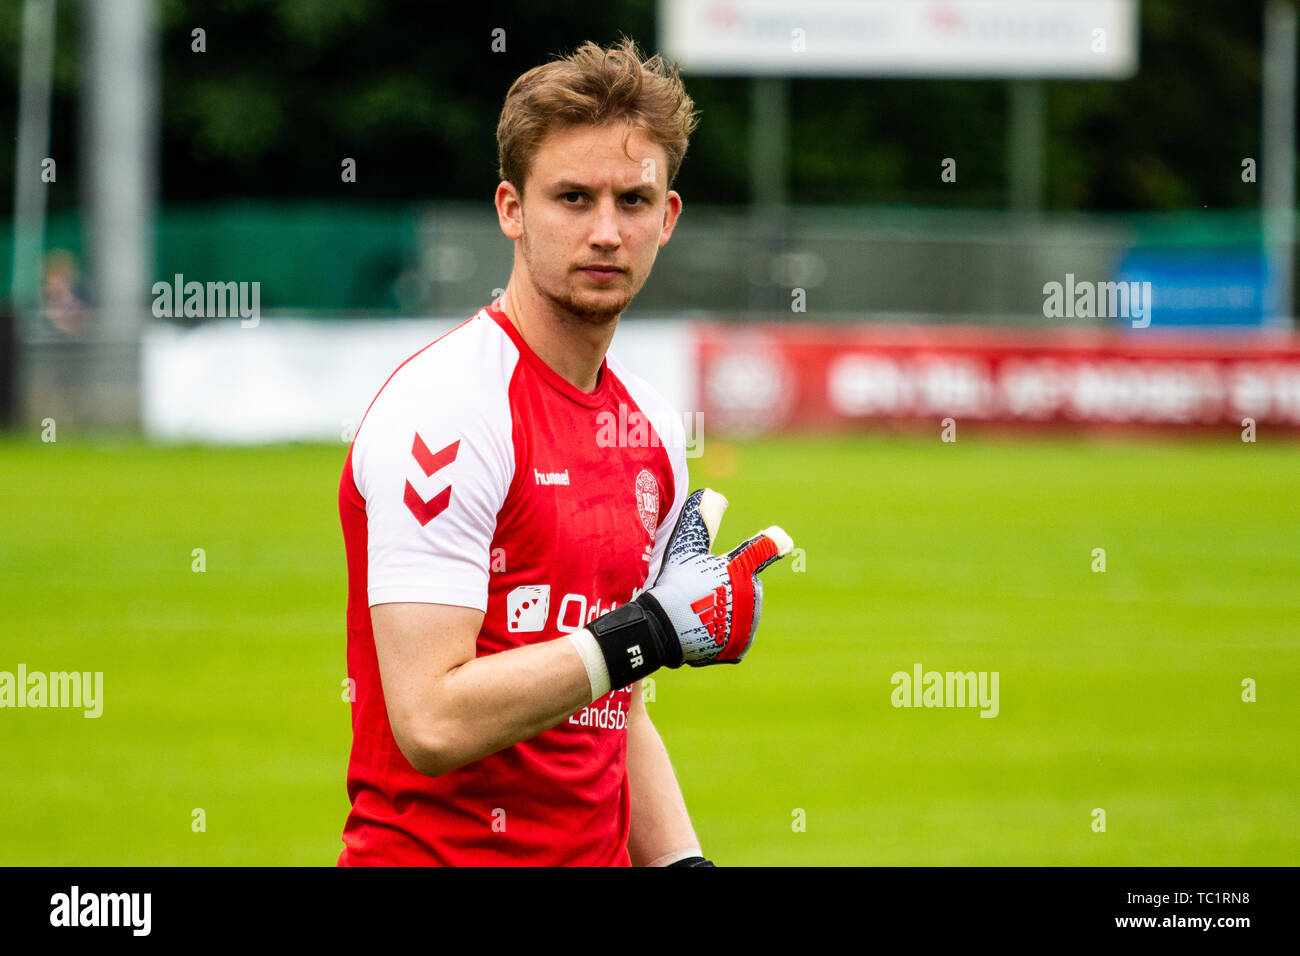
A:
<point x="702" y="609"/>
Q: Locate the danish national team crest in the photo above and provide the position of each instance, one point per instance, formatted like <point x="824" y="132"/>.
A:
<point x="647" y="501"/>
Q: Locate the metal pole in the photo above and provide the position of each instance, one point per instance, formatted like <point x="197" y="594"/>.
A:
<point x="769" y="144"/>
<point x="1028" y="105"/>
<point x="30" y="192"/>
<point x="120" y="142"/>
<point x="769" y="139"/>
<point x="1277" y="172"/>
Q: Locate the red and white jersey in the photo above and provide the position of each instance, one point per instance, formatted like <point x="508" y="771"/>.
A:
<point x="481" y="478"/>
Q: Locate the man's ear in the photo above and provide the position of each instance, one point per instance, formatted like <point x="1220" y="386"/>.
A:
<point x="510" y="210"/>
<point x="672" y="209"/>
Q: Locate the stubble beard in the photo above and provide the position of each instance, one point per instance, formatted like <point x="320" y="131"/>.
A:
<point x="594" y="312"/>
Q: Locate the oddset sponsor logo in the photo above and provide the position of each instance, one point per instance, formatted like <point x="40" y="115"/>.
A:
<point x="527" y="608"/>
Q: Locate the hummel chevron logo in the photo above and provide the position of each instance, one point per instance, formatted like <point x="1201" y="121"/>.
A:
<point x="713" y="614"/>
<point x="429" y="462"/>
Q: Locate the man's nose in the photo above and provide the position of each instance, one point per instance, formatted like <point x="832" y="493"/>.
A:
<point x="604" y="227"/>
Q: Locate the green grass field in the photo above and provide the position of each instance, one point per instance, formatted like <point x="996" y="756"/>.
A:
<point x="1119" y="690"/>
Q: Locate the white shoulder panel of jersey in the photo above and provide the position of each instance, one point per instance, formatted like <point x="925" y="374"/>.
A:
<point x="667" y="424"/>
<point x="434" y="459"/>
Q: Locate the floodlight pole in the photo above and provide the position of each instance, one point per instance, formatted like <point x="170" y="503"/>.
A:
<point x="769" y="161"/>
<point x="30" y="191"/>
<point x="1027" y="102"/>
<point x="1277" y="169"/>
<point x="120" y="140"/>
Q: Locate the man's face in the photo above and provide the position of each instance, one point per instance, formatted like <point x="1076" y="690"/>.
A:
<point x="592" y="217"/>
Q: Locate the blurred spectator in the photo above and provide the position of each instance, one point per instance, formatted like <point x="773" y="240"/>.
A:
<point x="62" y="302"/>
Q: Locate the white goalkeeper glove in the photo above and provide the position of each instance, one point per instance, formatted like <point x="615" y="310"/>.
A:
<point x="702" y="609"/>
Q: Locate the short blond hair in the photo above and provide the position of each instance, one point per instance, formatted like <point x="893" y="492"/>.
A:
<point x="592" y="86"/>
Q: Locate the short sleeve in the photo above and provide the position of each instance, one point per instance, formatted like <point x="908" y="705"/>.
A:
<point x="434" y="472"/>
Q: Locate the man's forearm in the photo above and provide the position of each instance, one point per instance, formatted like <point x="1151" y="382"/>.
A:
<point x="492" y="702"/>
<point x="661" y="831"/>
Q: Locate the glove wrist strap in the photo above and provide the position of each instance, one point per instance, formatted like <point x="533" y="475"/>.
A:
<point x="632" y="639"/>
<point x="662" y="626"/>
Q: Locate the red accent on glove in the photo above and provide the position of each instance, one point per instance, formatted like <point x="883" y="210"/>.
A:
<point x="740" y="570"/>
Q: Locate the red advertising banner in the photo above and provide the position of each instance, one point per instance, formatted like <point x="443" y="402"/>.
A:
<point x="765" y="377"/>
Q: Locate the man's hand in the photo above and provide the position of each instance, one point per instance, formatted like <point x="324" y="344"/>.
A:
<point x="713" y="604"/>
<point x="702" y="609"/>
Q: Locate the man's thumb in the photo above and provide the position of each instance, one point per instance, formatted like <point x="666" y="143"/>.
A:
<point x="698" y="523"/>
<point x="712" y="507"/>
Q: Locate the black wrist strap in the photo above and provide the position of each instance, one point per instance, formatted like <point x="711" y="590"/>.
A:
<point x="636" y="640"/>
<point x="663" y="629"/>
<point x="692" y="861"/>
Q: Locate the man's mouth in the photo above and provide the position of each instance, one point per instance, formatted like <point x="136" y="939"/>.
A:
<point x="602" y="272"/>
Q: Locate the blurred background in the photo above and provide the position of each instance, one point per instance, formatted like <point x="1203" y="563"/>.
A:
<point x="965" y="292"/>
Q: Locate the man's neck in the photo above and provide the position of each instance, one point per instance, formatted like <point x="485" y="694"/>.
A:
<point x="573" y="349"/>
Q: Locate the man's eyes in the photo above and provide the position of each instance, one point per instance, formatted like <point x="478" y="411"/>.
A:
<point x="632" y="199"/>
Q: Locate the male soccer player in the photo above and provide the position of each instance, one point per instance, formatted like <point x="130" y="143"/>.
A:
<point x="510" y="572"/>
